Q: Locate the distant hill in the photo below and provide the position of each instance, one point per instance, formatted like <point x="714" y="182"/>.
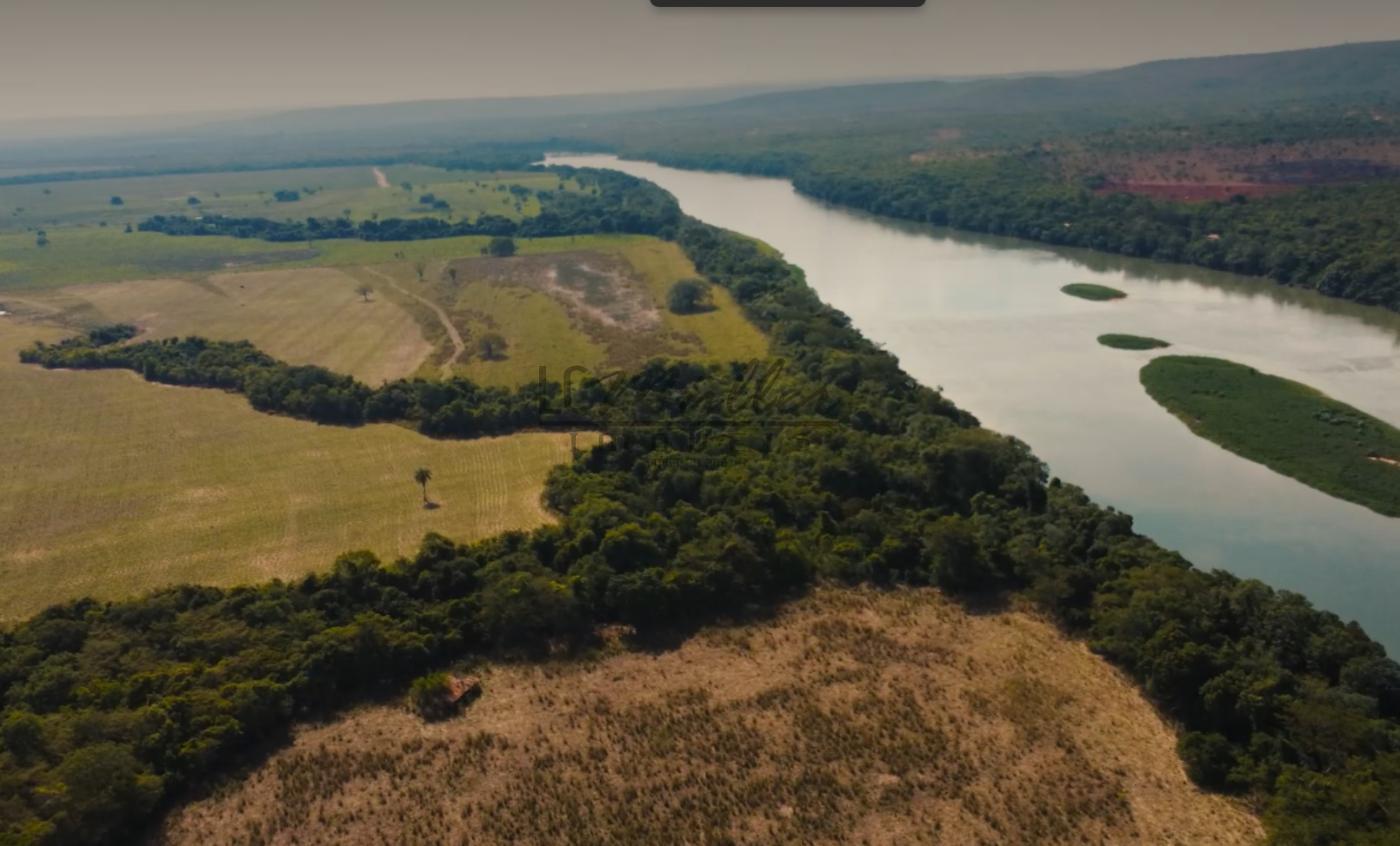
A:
<point x="1349" y="71"/>
<point x="429" y="113"/>
<point x="329" y="131"/>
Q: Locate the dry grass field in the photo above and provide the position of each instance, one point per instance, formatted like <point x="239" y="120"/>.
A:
<point x="855" y="717"/>
<point x="111" y="486"/>
<point x="303" y="316"/>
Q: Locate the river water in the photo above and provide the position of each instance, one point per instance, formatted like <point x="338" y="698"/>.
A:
<point x="983" y="317"/>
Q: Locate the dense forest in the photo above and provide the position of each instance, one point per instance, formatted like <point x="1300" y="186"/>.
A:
<point x="1340" y="241"/>
<point x="718" y="493"/>
<point x="1337" y="240"/>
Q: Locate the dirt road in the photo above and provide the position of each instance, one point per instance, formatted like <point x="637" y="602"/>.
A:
<point x="459" y="345"/>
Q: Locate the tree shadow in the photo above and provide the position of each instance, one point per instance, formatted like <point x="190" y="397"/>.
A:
<point x="655" y="639"/>
<point x="431" y="505"/>
<point x="982" y="603"/>
<point x="702" y="308"/>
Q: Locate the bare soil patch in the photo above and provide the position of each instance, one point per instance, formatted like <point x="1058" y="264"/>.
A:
<point x="594" y="287"/>
<point x="1202" y="172"/>
<point x="853" y="717"/>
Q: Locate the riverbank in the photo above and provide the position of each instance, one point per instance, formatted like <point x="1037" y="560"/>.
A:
<point x="983" y="318"/>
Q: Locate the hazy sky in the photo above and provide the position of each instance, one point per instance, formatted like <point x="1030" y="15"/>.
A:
<point x="63" y="58"/>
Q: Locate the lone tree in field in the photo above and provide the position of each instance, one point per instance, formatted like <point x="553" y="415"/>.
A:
<point x="192" y="201"/>
<point x="420" y="267"/>
<point x="423" y="476"/>
<point x="452" y="273"/>
<point x="501" y="247"/>
<point x="364" y="291"/>
<point x="41" y="238"/>
<point x="430" y="696"/>
<point x="492" y="346"/>
<point x="117" y="201"/>
<point x="688" y="296"/>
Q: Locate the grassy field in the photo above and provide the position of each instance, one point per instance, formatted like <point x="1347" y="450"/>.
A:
<point x="853" y="718"/>
<point x="80" y="256"/>
<point x="90" y="255"/>
<point x="1090" y="291"/>
<point x="1132" y="342"/>
<point x="304" y="316"/>
<point x="302" y="306"/>
<point x="594" y="302"/>
<point x="324" y="192"/>
<point x="1286" y="426"/>
<point x="112" y="485"/>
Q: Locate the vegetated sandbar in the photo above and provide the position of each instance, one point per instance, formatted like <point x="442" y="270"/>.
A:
<point x="1284" y="425"/>
<point x="1132" y="342"/>
<point x="1091" y="291"/>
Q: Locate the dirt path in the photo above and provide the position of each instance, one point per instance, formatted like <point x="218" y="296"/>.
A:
<point x="380" y="178"/>
<point x="459" y="345"/>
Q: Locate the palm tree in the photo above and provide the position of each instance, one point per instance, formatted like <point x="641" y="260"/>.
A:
<point x="422" y="476"/>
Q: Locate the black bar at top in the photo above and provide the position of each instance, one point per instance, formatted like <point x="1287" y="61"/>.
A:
<point x="857" y="4"/>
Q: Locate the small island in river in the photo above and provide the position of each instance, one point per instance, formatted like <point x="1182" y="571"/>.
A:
<point x="1284" y="425"/>
<point x="1132" y="342"/>
<point x="1091" y="291"/>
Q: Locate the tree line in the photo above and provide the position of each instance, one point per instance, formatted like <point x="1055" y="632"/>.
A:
<point x="1339" y="241"/>
<point x="453" y="407"/>
<point x="711" y="498"/>
<point x="607" y="201"/>
<point x="480" y="156"/>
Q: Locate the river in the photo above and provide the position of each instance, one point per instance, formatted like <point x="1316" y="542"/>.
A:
<point x="983" y="318"/>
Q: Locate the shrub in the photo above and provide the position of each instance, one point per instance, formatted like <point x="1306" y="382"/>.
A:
<point x="430" y="696"/>
<point x="501" y="247"/>
<point x="688" y="296"/>
<point x="492" y="346"/>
